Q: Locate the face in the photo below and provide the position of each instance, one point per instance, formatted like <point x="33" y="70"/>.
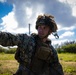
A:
<point x="43" y="31"/>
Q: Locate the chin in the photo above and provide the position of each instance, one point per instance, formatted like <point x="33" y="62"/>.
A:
<point x="41" y="37"/>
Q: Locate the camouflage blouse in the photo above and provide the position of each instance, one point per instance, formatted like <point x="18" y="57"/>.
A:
<point x="26" y="45"/>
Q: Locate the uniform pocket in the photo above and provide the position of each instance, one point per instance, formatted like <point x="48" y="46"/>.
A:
<point x="43" y="53"/>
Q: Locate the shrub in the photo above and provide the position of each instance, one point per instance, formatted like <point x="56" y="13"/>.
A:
<point x="71" y="48"/>
<point x="11" y="51"/>
<point x="2" y="50"/>
<point x="60" y="50"/>
<point x="8" y="51"/>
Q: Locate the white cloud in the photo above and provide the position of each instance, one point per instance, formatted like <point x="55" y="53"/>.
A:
<point x="11" y="25"/>
<point x="2" y="1"/>
<point x="72" y="4"/>
<point x="61" y="38"/>
<point x="67" y="34"/>
<point x="9" y="22"/>
<point x="59" y="42"/>
<point x="62" y="1"/>
<point x="71" y="1"/>
<point x="26" y="11"/>
<point x="68" y="1"/>
<point x="74" y="11"/>
<point x="67" y="28"/>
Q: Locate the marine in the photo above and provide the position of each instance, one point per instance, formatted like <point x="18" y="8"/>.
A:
<point x="35" y="53"/>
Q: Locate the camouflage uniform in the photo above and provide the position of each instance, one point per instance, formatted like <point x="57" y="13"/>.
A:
<point x="26" y="52"/>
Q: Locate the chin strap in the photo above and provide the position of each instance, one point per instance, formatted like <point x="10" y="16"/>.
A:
<point x="56" y="35"/>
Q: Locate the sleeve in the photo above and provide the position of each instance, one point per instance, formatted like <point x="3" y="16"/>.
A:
<point x="20" y="54"/>
<point x="17" y="56"/>
<point x="8" y="39"/>
<point x="55" y="66"/>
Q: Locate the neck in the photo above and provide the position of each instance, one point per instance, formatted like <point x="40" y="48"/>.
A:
<point x="44" y="39"/>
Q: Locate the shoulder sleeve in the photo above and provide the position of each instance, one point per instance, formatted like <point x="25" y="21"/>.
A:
<point x="55" y="55"/>
<point x="55" y="65"/>
<point x="8" y="39"/>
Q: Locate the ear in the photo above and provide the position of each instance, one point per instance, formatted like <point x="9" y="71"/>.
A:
<point x="50" y="31"/>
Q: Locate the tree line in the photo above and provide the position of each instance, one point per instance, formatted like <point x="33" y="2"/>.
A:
<point x="69" y="47"/>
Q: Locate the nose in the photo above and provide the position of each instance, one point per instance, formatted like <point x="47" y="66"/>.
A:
<point x="41" y="30"/>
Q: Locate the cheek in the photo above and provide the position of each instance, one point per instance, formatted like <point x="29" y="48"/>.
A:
<point x="39" y="30"/>
<point x="47" y="31"/>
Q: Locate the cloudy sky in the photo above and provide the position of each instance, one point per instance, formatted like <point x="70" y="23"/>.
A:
<point x="15" y="15"/>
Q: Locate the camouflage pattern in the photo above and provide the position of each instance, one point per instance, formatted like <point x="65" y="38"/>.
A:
<point x="26" y="46"/>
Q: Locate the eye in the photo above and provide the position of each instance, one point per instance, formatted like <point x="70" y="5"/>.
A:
<point x="39" y="27"/>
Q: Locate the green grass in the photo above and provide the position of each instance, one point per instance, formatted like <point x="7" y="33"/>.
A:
<point x="6" y="74"/>
<point x="4" y="56"/>
<point x="68" y="61"/>
<point x="8" y="65"/>
<point x="67" y="57"/>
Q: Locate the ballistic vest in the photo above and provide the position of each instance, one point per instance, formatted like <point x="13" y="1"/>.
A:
<point x="38" y="57"/>
<point x="41" y="57"/>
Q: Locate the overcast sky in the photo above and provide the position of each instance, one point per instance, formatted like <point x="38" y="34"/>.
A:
<point x="15" y="15"/>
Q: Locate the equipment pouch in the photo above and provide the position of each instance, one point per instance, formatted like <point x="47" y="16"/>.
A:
<point x="43" y="53"/>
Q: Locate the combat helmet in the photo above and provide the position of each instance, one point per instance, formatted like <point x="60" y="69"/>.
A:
<point x="47" y="20"/>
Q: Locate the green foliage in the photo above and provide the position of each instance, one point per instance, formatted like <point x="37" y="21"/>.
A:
<point x="59" y="50"/>
<point x="2" y="50"/>
<point x="8" y="51"/>
<point x="71" y="48"/>
<point x="11" y="51"/>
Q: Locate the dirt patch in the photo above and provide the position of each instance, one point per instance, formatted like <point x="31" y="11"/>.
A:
<point x="8" y="64"/>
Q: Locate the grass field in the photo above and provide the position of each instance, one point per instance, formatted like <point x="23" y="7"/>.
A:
<point x="8" y="65"/>
<point x="68" y="61"/>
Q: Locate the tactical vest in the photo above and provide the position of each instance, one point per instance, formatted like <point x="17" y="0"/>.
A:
<point x="36" y="56"/>
<point x="41" y="57"/>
